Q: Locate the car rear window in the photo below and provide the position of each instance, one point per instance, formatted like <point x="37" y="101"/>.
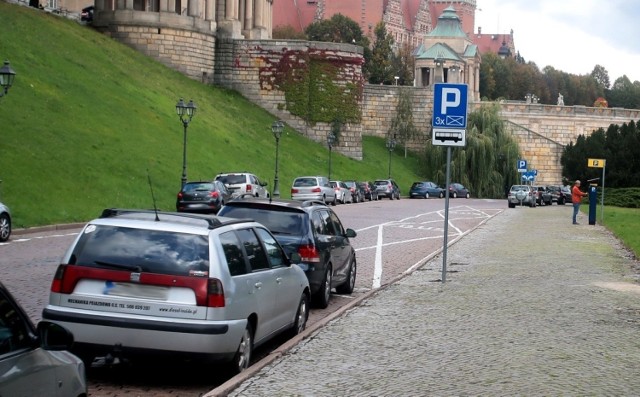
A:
<point x="233" y="179"/>
<point x="381" y="183"/>
<point x="142" y="250"/>
<point x="278" y="221"/>
<point x="190" y="187"/>
<point x="304" y="182"/>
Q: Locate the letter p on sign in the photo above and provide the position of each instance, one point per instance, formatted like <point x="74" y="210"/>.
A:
<point x="450" y="99"/>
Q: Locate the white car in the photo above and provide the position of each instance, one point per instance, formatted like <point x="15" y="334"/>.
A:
<point x="34" y="361"/>
<point x="5" y="223"/>
<point x="197" y="286"/>
<point x="241" y="183"/>
<point x="343" y="193"/>
<point x="316" y="188"/>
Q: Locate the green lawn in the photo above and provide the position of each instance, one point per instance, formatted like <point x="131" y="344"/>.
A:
<point x="624" y="223"/>
<point x="89" y="121"/>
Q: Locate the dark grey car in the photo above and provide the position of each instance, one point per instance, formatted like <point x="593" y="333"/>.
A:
<point x="204" y="196"/>
<point x="387" y="188"/>
<point x="34" y="361"/>
<point x="312" y="230"/>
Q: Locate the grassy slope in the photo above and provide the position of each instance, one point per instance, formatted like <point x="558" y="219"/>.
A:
<point x="88" y="119"/>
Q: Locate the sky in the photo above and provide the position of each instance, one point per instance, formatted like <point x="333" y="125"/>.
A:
<point x="571" y="35"/>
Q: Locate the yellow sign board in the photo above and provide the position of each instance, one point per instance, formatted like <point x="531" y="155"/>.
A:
<point x="596" y="163"/>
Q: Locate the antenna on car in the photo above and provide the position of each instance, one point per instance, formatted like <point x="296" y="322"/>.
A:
<point x="153" y="197"/>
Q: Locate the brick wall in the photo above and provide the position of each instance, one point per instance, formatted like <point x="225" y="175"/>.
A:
<point x="247" y="66"/>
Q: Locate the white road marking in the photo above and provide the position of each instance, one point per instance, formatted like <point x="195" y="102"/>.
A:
<point x="377" y="271"/>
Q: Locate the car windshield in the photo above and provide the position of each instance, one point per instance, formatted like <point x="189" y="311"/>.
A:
<point x="152" y="251"/>
<point x="350" y="184"/>
<point x="231" y="179"/>
<point x="277" y="220"/>
<point x="305" y="182"/>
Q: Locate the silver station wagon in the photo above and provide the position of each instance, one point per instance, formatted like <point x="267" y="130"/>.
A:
<point x="138" y="282"/>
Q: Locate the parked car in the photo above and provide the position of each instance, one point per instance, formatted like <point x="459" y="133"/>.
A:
<point x="369" y="189"/>
<point x="313" y="188"/>
<point x="86" y="15"/>
<point x="34" y="360"/>
<point x="136" y="282"/>
<point x="357" y="191"/>
<point x="554" y="192"/>
<point x="5" y="223"/>
<point x="387" y="188"/>
<point x="240" y="183"/>
<point x="542" y="195"/>
<point x="425" y="189"/>
<point x="458" y="190"/>
<point x="521" y="195"/>
<point x="312" y="230"/>
<point x="343" y="194"/>
<point x="204" y="196"/>
<point x="565" y="195"/>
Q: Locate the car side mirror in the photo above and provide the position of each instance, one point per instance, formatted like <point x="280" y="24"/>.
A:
<point x="351" y="233"/>
<point x="295" y="257"/>
<point x="53" y="336"/>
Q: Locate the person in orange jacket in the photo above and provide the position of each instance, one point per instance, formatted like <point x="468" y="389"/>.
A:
<point x="576" y="198"/>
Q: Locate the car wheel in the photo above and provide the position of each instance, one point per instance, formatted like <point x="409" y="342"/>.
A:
<point x="391" y="196"/>
<point x="455" y="195"/>
<point x="335" y="201"/>
<point x="511" y="205"/>
<point x="350" y="283"/>
<point x="242" y="359"/>
<point x="321" y="298"/>
<point x="441" y="195"/>
<point x="302" y="315"/>
<point x="426" y="195"/>
<point x="5" y="227"/>
<point x="398" y="196"/>
<point x="468" y="195"/>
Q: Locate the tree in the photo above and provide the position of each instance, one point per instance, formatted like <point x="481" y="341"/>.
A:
<point x="379" y="68"/>
<point x="402" y="126"/>
<point x="404" y="64"/>
<point x="601" y="76"/>
<point x="486" y="164"/>
<point x="338" y="29"/>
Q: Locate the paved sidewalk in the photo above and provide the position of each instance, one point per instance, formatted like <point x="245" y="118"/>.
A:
<point x="532" y="306"/>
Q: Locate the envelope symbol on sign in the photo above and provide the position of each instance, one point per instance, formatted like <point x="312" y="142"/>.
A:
<point x="455" y="121"/>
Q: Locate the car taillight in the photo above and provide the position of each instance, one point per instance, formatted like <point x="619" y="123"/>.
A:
<point x="180" y="196"/>
<point x="248" y="188"/>
<point x="316" y="190"/>
<point x="309" y="253"/>
<point x="215" y="293"/>
<point x="56" y="284"/>
<point x="214" y="194"/>
<point x="294" y="191"/>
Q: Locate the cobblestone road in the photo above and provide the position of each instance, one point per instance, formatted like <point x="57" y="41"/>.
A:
<point x="532" y="306"/>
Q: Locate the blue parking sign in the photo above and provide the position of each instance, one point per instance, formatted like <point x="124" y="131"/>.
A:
<point x="522" y="166"/>
<point x="449" y="106"/>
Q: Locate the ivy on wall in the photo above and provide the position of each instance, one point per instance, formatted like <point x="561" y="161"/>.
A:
<point x="318" y="87"/>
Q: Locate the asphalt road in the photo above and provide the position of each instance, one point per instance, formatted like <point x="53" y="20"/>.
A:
<point x="394" y="237"/>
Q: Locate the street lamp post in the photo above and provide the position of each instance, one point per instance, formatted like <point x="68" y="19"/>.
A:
<point x="330" y="141"/>
<point x="6" y="78"/>
<point x="186" y="113"/>
<point x="276" y="129"/>
<point x="391" y="144"/>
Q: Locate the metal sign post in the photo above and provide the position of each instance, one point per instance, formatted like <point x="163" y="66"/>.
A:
<point x="449" y="125"/>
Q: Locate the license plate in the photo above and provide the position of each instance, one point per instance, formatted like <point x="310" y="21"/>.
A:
<point x="136" y="290"/>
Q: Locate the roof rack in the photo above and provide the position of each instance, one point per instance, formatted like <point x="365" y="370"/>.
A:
<point x="212" y="221"/>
